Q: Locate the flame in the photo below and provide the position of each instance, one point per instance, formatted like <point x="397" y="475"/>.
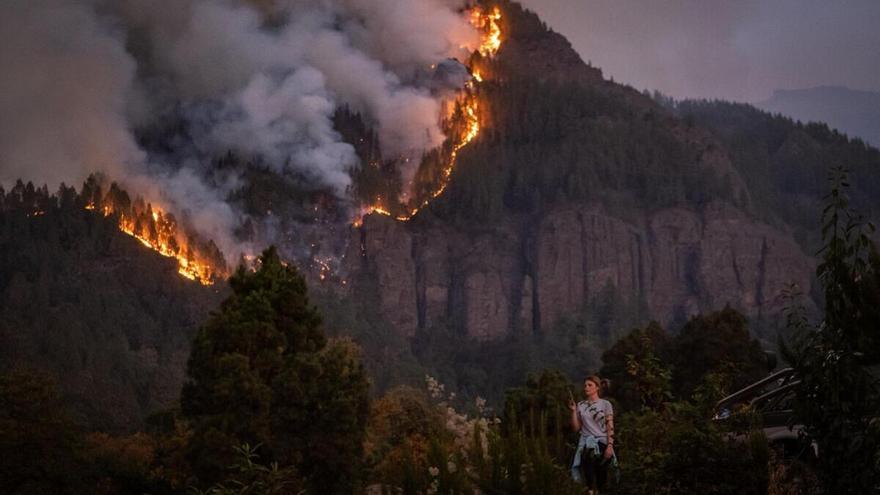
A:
<point x="158" y="231"/>
<point x="488" y="23"/>
<point x="325" y="271"/>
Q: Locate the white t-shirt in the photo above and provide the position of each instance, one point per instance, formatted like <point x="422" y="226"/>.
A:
<point x="592" y="416"/>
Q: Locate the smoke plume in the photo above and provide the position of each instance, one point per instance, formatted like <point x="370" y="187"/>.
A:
<point x="81" y="78"/>
<point x="65" y="78"/>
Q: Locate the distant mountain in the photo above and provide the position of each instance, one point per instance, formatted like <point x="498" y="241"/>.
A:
<point x="856" y="113"/>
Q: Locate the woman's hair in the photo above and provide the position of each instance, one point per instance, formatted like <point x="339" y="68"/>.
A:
<point x="602" y="384"/>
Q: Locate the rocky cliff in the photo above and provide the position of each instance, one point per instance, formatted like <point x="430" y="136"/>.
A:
<point x="576" y="184"/>
<point x="527" y="273"/>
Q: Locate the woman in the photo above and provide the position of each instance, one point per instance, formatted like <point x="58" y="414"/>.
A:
<point x="594" y="419"/>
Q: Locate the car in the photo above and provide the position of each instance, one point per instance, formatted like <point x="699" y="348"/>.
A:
<point x="772" y="398"/>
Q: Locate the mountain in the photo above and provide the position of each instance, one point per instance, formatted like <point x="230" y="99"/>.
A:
<point x="856" y="113"/>
<point x="581" y="209"/>
<point x="577" y="184"/>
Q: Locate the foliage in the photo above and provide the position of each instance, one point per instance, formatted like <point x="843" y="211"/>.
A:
<point x="469" y="453"/>
<point x="716" y="342"/>
<point x="680" y="450"/>
<point x="573" y="346"/>
<point x="249" y="477"/>
<point x="837" y="360"/>
<point x="635" y="367"/>
<point x="85" y="302"/>
<point x="667" y="439"/>
<point x="401" y="425"/>
<point x="319" y="414"/>
<point x="540" y="409"/>
<point x="123" y="464"/>
<point x="387" y="354"/>
<point x="518" y="464"/>
<point x="791" y="477"/>
<point x="262" y="371"/>
<point x="784" y="162"/>
<point x="593" y="144"/>
<point x="40" y="448"/>
<point x="171" y="437"/>
<point x="648" y="367"/>
<point x="43" y="451"/>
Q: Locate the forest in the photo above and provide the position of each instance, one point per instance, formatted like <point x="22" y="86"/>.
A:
<point x="118" y="376"/>
<point x="270" y="404"/>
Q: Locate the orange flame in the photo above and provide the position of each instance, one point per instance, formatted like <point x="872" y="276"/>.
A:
<point x="158" y="231"/>
<point x="488" y="23"/>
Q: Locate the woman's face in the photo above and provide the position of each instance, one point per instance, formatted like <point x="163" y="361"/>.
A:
<point x="590" y="388"/>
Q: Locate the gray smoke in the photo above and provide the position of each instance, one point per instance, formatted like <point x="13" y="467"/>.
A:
<point x="65" y="80"/>
<point x="264" y="81"/>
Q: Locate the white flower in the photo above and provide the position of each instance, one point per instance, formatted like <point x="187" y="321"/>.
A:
<point x="434" y="471"/>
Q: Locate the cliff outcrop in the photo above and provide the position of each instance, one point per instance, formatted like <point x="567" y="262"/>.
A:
<point x="526" y="273"/>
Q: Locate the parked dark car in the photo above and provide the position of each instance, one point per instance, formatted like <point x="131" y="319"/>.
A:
<point x="772" y="398"/>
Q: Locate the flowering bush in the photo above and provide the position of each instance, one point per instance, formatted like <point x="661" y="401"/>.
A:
<point x="448" y="451"/>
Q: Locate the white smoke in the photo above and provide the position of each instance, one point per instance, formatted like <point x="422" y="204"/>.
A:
<point x="78" y="75"/>
<point x="203" y="207"/>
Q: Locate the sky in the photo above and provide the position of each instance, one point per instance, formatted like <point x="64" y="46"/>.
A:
<point x="732" y="49"/>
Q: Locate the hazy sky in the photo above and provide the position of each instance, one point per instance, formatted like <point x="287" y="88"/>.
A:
<point x="733" y="49"/>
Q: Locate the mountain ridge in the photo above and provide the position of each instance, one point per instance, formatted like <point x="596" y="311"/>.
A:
<point x="854" y="112"/>
<point x="578" y="194"/>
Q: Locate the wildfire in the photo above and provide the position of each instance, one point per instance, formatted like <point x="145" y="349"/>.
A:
<point x="488" y="23"/>
<point x="324" y="267"/>
<point x="158" y="230"/>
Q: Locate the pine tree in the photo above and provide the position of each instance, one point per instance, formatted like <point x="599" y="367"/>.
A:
<point x="261" y="372"/>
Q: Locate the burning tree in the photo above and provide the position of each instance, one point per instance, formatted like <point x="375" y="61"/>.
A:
<point x="461" y="122"/>
<point x="197" y="259"/>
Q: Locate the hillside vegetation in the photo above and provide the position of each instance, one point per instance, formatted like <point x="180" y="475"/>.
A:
<point x="88" y="304"/>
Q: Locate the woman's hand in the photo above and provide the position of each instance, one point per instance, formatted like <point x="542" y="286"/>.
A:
<point x="609" y="451"/>
<point x="575" y="419"/>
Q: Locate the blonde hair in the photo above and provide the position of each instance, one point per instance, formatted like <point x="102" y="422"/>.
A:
<point x="602" y="384"/>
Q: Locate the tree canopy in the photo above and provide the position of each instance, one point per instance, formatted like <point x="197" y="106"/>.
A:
<point x="262" y="372"/>
<point x="838" y="358"/>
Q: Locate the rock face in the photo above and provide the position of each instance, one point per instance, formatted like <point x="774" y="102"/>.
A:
<point x="525" y="274"/>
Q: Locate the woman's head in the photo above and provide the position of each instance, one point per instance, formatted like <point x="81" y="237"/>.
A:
<point x="595" y="386"/>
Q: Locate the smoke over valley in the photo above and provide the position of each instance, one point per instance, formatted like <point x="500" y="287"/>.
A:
<point x="152" y="93"/>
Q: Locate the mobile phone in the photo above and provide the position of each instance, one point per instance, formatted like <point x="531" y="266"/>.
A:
<point x="571" y="396"/>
